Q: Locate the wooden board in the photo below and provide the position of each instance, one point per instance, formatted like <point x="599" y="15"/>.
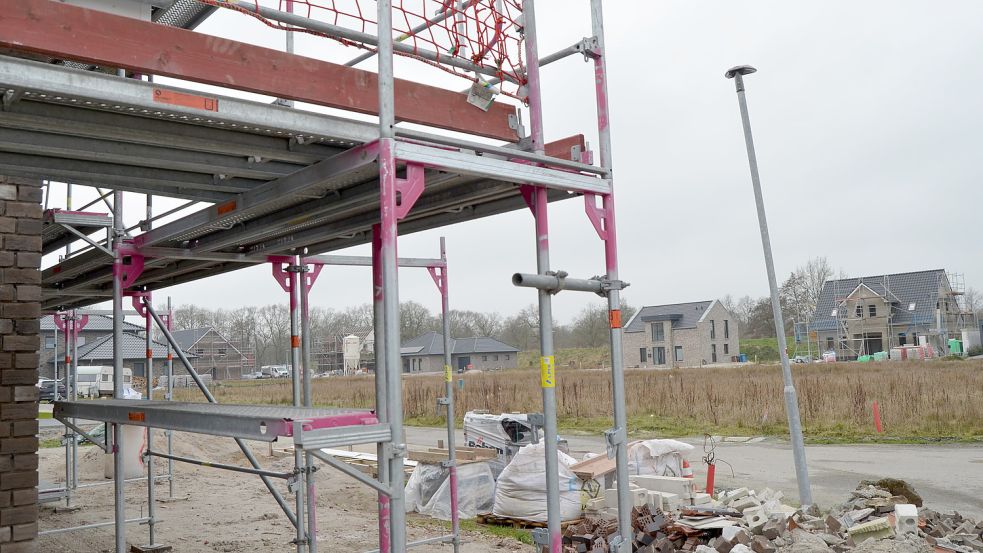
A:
<point x="594" y="468"/>
<point x="496" y="520"/>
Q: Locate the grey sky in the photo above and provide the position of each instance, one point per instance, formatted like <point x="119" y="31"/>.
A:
<point x="867" y="122"/>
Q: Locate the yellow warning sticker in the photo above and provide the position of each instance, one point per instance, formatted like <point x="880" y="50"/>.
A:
<point x="547" y="371"/>
<point x="448" y="374"/>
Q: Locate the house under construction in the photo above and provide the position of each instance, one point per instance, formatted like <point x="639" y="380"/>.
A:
<point x="866" y="315"/>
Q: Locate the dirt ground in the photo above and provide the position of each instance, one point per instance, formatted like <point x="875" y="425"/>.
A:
<point x="220" y="511"/>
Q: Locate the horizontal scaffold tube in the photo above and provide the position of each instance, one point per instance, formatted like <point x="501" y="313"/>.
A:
<point x="557" y="282"/>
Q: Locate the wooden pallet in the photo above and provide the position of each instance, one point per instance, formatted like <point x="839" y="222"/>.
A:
<point x="496" y="520"/>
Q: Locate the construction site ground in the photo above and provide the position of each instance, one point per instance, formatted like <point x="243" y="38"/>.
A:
<point x="216" y="510"/>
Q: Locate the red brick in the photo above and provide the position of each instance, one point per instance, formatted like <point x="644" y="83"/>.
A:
<point x="17" y="480"/>
<point x="26" y="360"/>
<point x="13" y="275"/>
<point x="13" y="342"/>
<point x="29" y="210"/>
<point x="26" y="461"/>
<point x="29" y="260"/>
<point x="21" y="310"/>
<point x="29" y="546"/>
<point x="18" y="515"/>
<point x="17" y="411"/>
<point x="24" y="497"/>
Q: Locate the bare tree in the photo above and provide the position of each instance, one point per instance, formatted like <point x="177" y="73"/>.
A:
<point x="191" y="316"/>
<point x="415" y="319"/>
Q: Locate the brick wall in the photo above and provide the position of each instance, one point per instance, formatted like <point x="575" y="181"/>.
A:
<point x="20" y="294"/>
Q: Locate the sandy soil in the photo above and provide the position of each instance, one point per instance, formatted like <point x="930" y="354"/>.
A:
<point x="221" y="511"/>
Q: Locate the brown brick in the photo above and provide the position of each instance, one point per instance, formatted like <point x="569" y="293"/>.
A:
<point x="20" y="242"/>
<point x="6" y="326"/>
<point x="16" y="411"/>
<point x="7" y="292"/>
<point x="18" y="376"/>
<point x="30" y="194"/>
<point x="29" y="292"/>
<point x="21" y="311"/>
<point x="7" y="259"/>
<point x="6" y="499"/>
<point x="26" y="461"/>
<point x="6" y="395"/>
<point x="29" y="227"/>
<point x="28" y="546"/>
<point x="18" y="515"/>
<point x="28" y="326"/>
<point x="26" y="360"/>
<point x="13" y="342"/>
<point x="14" y="275"/>
<point x="26" y="393"/>
<point x="17" y="480"/>
<point x="8" y="225"/>
<point x="29" y="260"/>
<point x="25" y="428"/>
<point x="27" y="531"/>
<point x="6" y="362"/>
<point x="29" y="210"/>
<point x="24" y="497"/>
<point x="8" y="192"/>
<point x="5" y="534"/>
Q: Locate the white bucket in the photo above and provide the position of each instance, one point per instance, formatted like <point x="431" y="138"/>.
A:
<point x="134" y="445"/>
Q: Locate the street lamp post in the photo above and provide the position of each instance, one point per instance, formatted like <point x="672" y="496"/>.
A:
<point x="791" y="400"/>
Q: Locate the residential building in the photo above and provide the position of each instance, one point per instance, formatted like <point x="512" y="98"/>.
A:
<point x="53" y="340"/>
<point x="862" y="316"/>
<point x="100" y="352"/>
<point x="214" y="354"/>
<point x="426" y="353"/>
<point x="681" y="335"/>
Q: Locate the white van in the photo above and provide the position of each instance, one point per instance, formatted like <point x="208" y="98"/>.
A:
<point x="274" y="371"/>
<point x="104" y="375"/>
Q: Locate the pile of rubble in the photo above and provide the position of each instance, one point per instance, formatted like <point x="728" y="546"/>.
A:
<point x="881" y="517"/>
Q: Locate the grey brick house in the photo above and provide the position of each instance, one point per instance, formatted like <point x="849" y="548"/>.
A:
<point x="681" y="335"/>
<point x="426" y="353"/>
<point x="98" y="326"/>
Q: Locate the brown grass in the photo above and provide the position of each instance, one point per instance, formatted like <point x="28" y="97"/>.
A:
<point x="931" y="400"/>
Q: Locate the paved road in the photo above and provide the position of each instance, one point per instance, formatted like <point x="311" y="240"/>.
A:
<point x="948" y="477"/>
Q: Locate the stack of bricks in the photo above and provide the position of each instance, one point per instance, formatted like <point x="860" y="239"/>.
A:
<point x="20" y="295"/>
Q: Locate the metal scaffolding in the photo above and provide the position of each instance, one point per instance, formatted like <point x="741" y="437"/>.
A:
<point x="285" y="184"/>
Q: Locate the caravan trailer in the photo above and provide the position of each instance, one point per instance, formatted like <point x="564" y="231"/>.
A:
<point x="104" y="380"/>
<point x="87" y="380"/>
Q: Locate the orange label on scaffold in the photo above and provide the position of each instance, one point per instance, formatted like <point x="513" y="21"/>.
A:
<point x="614" y="317"/>
<point x="547" y="371"/>
<point x="448" y="374"/>
<point x="164" y="96"/>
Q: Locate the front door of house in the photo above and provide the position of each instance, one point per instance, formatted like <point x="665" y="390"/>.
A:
<point x="462" y="363"/>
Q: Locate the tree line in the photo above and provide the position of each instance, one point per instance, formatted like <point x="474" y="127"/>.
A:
<point x="266" y="329"/>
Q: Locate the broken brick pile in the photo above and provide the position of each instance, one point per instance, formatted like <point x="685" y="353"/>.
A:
<point x="882" y="517"/>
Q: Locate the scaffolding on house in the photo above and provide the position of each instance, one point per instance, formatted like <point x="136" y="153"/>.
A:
<point x="284" y="183"/>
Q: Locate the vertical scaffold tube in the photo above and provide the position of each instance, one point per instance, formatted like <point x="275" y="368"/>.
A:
<point x="119" y="505"/>
<point x="294" y="277"/>
<point x="381" y="412"/>
<point x="170" y="397"/>
<point x="620" y="433"/>
<point x="449" y="393"/>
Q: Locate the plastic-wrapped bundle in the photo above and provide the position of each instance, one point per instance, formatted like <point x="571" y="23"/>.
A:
<point x="521" y="490"/>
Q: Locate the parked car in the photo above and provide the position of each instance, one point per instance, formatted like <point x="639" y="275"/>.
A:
<point x="802" y="359"/>
<point x="47" y="390"/>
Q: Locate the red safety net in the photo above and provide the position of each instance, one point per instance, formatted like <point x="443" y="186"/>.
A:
<point x="487" y="33"/>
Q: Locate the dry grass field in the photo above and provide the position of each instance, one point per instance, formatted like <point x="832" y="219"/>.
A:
<point x="918" y="400"/>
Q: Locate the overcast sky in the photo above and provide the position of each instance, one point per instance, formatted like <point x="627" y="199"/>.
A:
<point x="867" y="120"/>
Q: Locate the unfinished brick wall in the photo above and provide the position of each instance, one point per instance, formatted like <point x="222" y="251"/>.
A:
<point x="20" y="295"/>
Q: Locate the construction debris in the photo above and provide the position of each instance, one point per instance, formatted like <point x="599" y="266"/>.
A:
<point x="879" y="517"/>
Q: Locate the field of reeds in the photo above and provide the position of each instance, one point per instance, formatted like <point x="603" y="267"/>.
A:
<point x="918" y="400"/>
